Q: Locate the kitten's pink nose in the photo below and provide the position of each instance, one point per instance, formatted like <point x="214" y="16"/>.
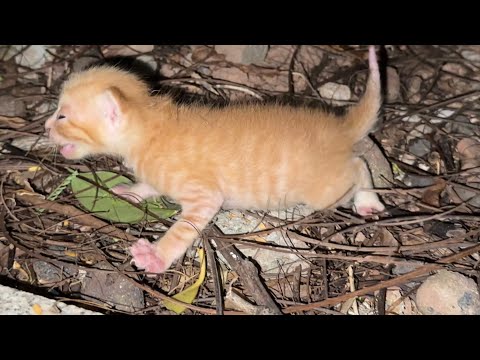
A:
<point x="48" y="126"/>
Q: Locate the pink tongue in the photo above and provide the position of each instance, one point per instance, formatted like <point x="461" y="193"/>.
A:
<point x="67" y="149"/>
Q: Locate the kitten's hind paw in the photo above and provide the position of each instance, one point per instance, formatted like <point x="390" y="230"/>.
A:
<point x="145" y="256"/>
<point x="367" y="203"/>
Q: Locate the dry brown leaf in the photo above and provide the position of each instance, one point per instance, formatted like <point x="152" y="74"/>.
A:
<point x="383" y="237"/>
<point x="469" y="152"/>
<point x="431" y="195"/>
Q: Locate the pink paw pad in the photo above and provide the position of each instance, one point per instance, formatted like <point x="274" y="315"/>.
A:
<point x="365" y="211"/>
<point x="146" y="257"/>
<point x="370" y="209"/>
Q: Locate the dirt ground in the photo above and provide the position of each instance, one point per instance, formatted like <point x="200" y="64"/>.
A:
<point x="424" y="157"/>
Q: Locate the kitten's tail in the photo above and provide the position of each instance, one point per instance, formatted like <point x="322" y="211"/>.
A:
<point x="361" y="117"/>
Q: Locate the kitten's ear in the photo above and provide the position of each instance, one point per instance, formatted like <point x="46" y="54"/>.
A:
<point x="112" y="102"/>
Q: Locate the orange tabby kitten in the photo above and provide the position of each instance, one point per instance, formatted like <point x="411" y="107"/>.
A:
<point x="242" y="156"/>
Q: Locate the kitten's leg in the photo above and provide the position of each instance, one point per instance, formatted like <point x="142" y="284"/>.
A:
<point x="135" y="193"/>
<point x="196" y="214"/>
<point x="365" y="202"/>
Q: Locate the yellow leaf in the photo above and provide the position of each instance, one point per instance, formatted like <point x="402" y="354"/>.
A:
<point x="189" y="294"/>
<point x="34" y="168"/>
<point x="37" y="309"/>
<point x="70" y="253"/>
<point x="396" y="170"/>
<point x="259" y="238"/>
<point x="66" y="223"/>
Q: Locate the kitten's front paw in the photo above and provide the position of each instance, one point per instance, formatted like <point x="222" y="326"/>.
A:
<point x="145" y="256"/>
<point x="125" y="191"/>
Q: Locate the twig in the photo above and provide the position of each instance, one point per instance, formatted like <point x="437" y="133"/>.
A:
<point x="216" y="276"/>
<point x="388" y="283"/>
<point x="249" y="275"/>
<point x="77" y="215"/>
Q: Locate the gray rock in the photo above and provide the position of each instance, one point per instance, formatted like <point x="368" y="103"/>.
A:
<point x="31" y="142"/>
<point x="471" y="55"/>
<point x="419" y="147"/>
<point x="127" y="50"/>
<point x="235" y="222"/>
<point x="463" y="128"/>
<point x="243" y="54"/>
<point x="448" y="293"/>
<point x="472" y="197"/>
<point x="393" y="85"/>
<point x="418" y="180"/>
<point x="334" y="91"/>
<point x="113" y="289"/>
<point x="34" y="56"/>
<point x="150" y="60"/>
<point x="47" y="273"/>
<point x="17" y="302"/>
<point x="97" y="286"/>
<point x="82" y="62"/>
<point x="400" y="269"/>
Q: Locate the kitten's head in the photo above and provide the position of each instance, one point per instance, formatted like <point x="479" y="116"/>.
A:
<point x="93" y="112"/>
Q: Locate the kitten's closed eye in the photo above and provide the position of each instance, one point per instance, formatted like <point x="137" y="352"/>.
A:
<point x="60" y="117"/>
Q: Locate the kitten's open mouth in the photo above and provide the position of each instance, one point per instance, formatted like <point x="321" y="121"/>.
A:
<point x="67" y="149"/>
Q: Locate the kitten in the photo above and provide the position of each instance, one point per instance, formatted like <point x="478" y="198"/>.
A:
<point x="239" y="157"/>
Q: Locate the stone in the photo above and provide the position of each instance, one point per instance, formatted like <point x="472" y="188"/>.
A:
<point x="460" y="128"/>
<point x="403" y="268"/>
<point x="413" y="119"/>
<point x="471" y="55"/>
<point x="445" y="113"/>
<point x="393" y="85"/>
<point x="419" y="147"/>
<point x="421" y="130"/>
<point x="243" y="54"/>
<point x="413" y="180"/>
<point x="127" y="50"/>
<point x="113" y="289"/>
<point x="83" y="62"/>
<point x="407" y="159"/>
<point x="34" y="56"/>
<point x="414" y="85"/>
<point x="17" y="302"/>
<point x="31" y="142"/>
<point x="334" y="91"/>
<point x="149" y="60"/>
<point x="235" y="222"/>
<point x="47" y="273"/>
<point x="448" y="293"/>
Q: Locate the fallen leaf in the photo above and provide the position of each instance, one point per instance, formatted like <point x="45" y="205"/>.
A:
<point x="383" y="237"/>
<point x="258" y="238"/>
<point x="104" y="205"/>
<point x="431" y="195"/>
<point x="469" y="153"/>
<point x="71" y="253"/>
<point x="37" y="309"/>
<point x="190" y="293"/>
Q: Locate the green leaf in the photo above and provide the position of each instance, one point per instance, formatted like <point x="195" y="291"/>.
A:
<point x="113" y="208"/>
<point x="54" y="194"/>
